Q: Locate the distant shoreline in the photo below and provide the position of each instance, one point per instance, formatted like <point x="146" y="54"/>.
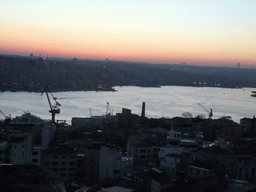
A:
<point x="113" y="89"/>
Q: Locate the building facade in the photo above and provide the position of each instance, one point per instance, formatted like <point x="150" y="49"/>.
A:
<point x="61" y="160"/>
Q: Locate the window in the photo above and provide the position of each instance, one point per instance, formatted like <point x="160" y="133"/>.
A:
<point x="34" y="160"/>
<point x="55" y="169"/>
<point x="72" y="157"/>
<point x="63" y="169"/>
<point x="63" y="157"/>
<point x="148" y="150"/>
<point x="22" y="154"/>
<point x="47" y="163"/>
<point x="71" y="169"/>
<point x="35" y="153"/>
<point x="107" y="173"/>
<point x="55" y="163"/>
<point x="63" y="163"/>
<point x="55" y="157"/>
<point x="142" y="157"/>
<point x="143" y="150"/>
<point x="72" y="163"/>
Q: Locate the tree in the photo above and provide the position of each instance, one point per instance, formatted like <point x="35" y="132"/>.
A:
<point x="200" y="116"/>
<point x="187" y="115"/>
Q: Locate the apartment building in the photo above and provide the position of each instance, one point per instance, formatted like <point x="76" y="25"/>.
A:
<point x="106" y="161"/>
<point x="61" y="160"/>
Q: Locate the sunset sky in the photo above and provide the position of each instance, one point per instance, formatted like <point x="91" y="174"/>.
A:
<point x="198" y="32"/>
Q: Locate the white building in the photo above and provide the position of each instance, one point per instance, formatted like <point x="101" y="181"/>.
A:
<point x="173" y="137"/>
<point x="199" y="169"/>
<point x="246" y="168"/>
<point x="35" y="124"/>
<point x="36" y="155"/>
<point x="61" y="160"/>
<point x="4" y="151"/>
<point x="177" y="150"/>
<point x="221" y="142"/>
<point x="248" y="125"/>
<point x="111" y="162"/>
<point x="48" y="130"/>
<point x="170" y="164"/>
<point x="21" y="148"/>
<point x="144" y="151"/>
<point x="104" y="160"/>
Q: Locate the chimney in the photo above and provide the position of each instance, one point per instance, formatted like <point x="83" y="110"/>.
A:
<point x="143" y="110"/>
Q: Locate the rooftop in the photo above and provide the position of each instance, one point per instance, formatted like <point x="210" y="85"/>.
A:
<point x="59" y="150"/>
<point x="142" y="144"/>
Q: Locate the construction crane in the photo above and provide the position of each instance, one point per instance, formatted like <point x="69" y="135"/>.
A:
<point x="54" y="109"/>
<point x="7" y="118"/>
<point x="209" y="112"/>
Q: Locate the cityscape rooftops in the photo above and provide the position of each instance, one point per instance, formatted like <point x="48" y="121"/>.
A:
<point x="59" y="150"/>
<point x="142" y="144"/>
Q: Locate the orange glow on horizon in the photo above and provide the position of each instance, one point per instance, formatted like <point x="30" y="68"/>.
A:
<point x="118" y="46"/>
<point x="198" y="33"/>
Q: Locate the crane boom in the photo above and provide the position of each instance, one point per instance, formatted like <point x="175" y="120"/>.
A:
<point x="54" y="109"/>
<point x="209" y="112"/>
<point x="7" y="118"/>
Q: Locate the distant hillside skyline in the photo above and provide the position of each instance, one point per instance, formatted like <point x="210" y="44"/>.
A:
<point x="233" y="65"/>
